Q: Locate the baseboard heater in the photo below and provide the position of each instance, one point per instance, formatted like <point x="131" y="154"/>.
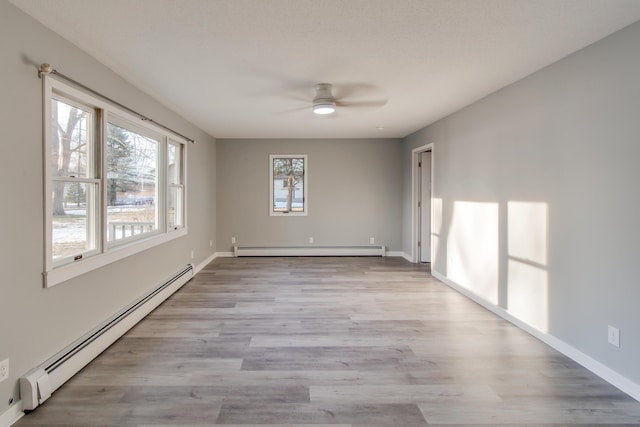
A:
<point x="371" y="250"/>
<point x="37" y="385"/>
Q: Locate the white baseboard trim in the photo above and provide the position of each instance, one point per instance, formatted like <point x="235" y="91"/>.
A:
<point x="598" y="368"/>
<point x="12" y="414"/>
<point x="223" y="255"/>
<point x="204" y="263"/>
<point x="406" y="256"/>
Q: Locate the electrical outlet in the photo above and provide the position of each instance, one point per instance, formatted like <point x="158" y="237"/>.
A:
<point x="310" y="239"/>
<point x="614" y="336"/>
<point x="233" y="240"/>
<point x="4" y="370"/>
<point x="193" y="254"/>
<point x="372" y="240"/>
<point x="210" y="243"/>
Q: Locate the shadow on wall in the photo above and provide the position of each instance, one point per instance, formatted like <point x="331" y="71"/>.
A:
<point x="478" y="240"/>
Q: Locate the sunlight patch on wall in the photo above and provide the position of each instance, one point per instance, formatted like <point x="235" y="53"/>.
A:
<point x="528" y="231"/>
<point x="528" y="294"/>
<point x="527" y="282"/>
<point x="472" y="250"/>
<point x="436" y="229"/>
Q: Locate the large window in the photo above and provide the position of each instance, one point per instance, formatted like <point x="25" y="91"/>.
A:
<point x="288" y="184"/>
<point x="115" y="183"/>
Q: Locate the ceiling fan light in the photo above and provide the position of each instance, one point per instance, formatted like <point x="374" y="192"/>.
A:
<point x="324" y="108"/>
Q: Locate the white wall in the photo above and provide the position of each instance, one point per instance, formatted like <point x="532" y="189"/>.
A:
<point x="354" y="190"/>
<point x="537" y="189"/>
<point x="35" y="322"/>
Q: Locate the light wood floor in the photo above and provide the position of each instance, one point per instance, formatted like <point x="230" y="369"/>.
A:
<point x="329" y="341"/>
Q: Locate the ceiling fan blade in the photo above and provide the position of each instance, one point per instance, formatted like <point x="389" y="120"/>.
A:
<point x="292" y="110"/>
<point x="357" y="91"/>
<point x="363" y="104"/>
<point x="297" y="98"/>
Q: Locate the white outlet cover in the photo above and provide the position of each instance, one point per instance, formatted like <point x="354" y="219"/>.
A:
<point x="4" y="370"/>
<point x="614" y="336"/>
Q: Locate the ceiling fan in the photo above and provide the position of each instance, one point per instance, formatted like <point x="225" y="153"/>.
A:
<point x="329" y="98"/>
<point x="326" y="103"/>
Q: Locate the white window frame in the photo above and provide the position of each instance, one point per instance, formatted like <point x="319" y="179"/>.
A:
<point x="305" y="187"/>
<point x="58" y="272"/>
<point x="182" y="213"/>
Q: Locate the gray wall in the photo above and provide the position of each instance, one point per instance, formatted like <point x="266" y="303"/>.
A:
<point x="354" y="190"/>
<point x="536" y="186"/>
<point x="35" y="322"/>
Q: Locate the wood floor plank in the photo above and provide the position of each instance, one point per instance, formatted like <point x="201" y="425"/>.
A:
<point x="265" y="393"/>
<point x="384" y="414"/>
<point x="327" y="358"/>
<point x="329" y="341"/>
<point x="431" y="393"/>
<point x="521" y="413"/>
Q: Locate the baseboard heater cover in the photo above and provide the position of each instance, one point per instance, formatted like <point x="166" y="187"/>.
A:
<point x="38" y="384"/>
<point x="371" y="250"/>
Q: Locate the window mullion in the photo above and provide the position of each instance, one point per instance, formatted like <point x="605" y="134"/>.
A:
<point x="162" y="185"/>
<point x="101" y="165"/>
<point x="76" y="179"/>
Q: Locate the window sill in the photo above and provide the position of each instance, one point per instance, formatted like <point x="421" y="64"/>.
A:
<point x="63" y="273"/>
<point x="271" y="213"/>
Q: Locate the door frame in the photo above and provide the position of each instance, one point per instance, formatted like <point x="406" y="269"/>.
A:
<point x="415" y="196"/>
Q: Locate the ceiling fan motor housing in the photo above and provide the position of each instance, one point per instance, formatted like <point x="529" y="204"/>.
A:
<point x="324" y="102"/>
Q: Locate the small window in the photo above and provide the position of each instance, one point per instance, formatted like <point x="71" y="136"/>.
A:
<point x="288" y="184"/>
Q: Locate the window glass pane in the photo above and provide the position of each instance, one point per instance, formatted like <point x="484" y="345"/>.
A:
<point x="288" y="184"/>
<point x="174" y="207"/>
<point x="174" y="163"/>
<point x="72" y="130"/>
<point x="73" y="229"/>
<point x="132" y="181"/>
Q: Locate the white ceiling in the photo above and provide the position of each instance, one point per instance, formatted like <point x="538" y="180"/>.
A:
<point x="246" y="68"/>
